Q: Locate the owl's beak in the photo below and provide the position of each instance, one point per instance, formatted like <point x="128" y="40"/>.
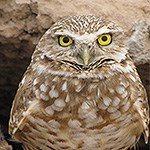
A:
<point x="86" y="57"/>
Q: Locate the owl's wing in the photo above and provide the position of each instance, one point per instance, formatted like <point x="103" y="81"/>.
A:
<point x="20" y="103"/>
<point x="141" y="105"/>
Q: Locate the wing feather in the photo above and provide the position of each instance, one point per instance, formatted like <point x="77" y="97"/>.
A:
<point x="20" y="103"/>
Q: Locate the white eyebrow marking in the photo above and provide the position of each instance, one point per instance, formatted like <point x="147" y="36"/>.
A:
<point x="87" y="37"/>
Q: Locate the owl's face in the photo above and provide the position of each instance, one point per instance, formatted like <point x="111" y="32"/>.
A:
<point x="83" y="43"/>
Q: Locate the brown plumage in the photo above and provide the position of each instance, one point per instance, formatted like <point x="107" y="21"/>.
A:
<point x="80" y="91"/>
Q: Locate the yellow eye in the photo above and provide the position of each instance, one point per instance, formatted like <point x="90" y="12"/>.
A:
<point x="105" y="39"/>
<point x="65" y="40"/>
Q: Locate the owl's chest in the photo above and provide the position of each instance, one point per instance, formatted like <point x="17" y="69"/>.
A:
<point x="89" y="100"/>
<point x="83" y="112"/>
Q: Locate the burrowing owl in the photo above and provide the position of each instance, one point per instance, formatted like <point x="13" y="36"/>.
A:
<point x="81" y="91"/>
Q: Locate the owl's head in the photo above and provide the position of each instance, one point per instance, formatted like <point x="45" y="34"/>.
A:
<point x="83" y="43"/>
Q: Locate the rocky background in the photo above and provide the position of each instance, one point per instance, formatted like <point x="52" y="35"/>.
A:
<point x="22" y="23"/>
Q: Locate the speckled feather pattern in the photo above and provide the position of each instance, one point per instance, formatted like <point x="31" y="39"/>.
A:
<point x="60" y="104"/>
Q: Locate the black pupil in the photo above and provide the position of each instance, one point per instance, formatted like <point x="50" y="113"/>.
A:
<point x="65" y="40"/>
<point x="104" y="38"/>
